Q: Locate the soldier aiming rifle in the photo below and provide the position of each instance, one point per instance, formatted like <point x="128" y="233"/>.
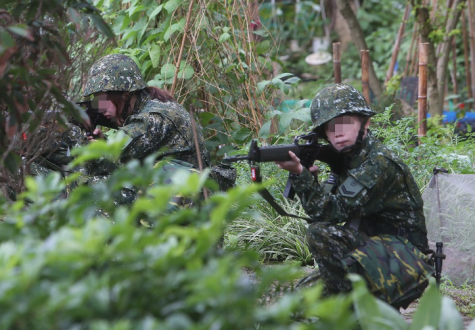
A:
<point x="368" y="218"/>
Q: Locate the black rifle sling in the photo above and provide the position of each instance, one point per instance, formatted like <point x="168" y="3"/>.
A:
<point x="257" y="178"/>
<point x="270" y="199"/>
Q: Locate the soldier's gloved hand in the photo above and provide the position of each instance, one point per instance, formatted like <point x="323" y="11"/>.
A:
<point x="333" y="158"/>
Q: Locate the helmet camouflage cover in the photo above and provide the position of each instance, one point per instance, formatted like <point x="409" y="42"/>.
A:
<point x="337" y="100"/>
<point x="116" y="72"/>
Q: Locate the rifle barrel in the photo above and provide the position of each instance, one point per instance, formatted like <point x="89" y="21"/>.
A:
<point x="237" y="158"/>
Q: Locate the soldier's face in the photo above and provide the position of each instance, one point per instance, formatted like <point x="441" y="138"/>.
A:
<point x="343" y="131"/>
<point x="105" y="106"/>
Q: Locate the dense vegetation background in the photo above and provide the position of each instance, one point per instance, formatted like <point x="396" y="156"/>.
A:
<point x="86" y="263"/>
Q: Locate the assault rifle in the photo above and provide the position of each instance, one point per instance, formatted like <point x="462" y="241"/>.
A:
<point x="305" y="147"/>
<point x="279" y="153"/>
<point x="95" y="117"/>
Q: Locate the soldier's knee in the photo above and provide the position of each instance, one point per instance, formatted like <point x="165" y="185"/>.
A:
<point x="320" y="229"/>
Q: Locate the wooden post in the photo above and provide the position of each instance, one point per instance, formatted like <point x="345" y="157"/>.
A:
<point x="471" y="16"/>
<point x="466" y="52"/>
<point x="365" y="74"/>
<point x="336" y="62"/>
<point x="397" y="44"/>
<point x="422" y="97"/>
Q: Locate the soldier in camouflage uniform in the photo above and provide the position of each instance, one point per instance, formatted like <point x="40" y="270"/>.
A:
<point x="150" y="117"/>
<point x="55" y="143"/>
<point x="370" y="219"/>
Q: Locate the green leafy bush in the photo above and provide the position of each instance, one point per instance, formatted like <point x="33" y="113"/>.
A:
<point x="86" y="263"/>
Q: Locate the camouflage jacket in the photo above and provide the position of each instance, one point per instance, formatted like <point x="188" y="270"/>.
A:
<point x="157" y="127"/>
<point x="163" y="127"/>
<point x="376" y="187"/>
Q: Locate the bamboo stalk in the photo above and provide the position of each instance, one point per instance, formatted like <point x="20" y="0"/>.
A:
<point x="365" y="74"/>
<point x="471" y="15"/>
<point x="177" y="64"/>
<point x="337" y="62"/>
<point x="256" y="122"/>
<point x="397" y="44"/>
<point x="422" y="89"/>
<point x="197" y="146"/>
<point x="247" y="48"/>
<point x="466" y="52"/>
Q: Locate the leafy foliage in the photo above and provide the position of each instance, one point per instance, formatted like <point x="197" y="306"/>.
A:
<point x="221" y="65"/>
<point x="85" y="263"/>
<point x="36" y="66"/>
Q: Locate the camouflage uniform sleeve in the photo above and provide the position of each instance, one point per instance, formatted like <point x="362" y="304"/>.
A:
<point x="141" y="135"/>
<point x="148" y="133"/>
<point x="361" y="193"/>
<point x="71" y="138"/>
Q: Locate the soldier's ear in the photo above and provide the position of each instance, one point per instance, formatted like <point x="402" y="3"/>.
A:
<point x="366" y="126"/>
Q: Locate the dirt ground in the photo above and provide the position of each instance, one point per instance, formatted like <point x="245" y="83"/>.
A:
<point x="409" y="312"/>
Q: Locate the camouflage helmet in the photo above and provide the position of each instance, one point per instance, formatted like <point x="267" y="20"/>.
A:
<point x="116" y="72"/>
<point x="337" y="100"/>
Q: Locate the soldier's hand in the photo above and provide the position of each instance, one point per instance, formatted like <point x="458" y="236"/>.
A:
<point x="96" y="134"/>
<point x="313" y="169"/>
<point x="293" y="165"/>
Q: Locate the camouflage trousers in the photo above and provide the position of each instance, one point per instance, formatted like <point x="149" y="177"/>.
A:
<point x="329" y="243"/>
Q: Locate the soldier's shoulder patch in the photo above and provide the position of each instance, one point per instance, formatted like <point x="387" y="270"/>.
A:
<point x="350" y="187"/>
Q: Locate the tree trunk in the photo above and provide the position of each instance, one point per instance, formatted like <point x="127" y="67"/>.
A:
<point x="446" y="45"/>
<point x="423" y="16"/>
<point x="359" y="41"/>
<point x="340" y="26"/>
<point x="437" y="74"/>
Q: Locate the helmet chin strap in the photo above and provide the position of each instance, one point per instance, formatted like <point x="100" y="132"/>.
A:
<point x="356" y="147"/>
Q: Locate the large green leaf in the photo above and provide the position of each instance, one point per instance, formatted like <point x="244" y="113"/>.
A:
<point x="450" y="318"/>
<point x="171" y="5"/>
<point x="168" y="71"/>
<point x="186" y="73"/>
<point x="241" y="135"/>
<point x="428" y="313"/>
<point x="264" y="131"/>
<point x="135" y="9"/>
<point x="371" y="312"/>
<point x="6" y="40"/>
<point x="155" y="12"/>
<point x="263" y="47"/>
<point x="154" y="53"/>
<point x="102" y="25"/>
<point x="20" y="30"/>
<point x="177" y="27"/>
<point x="262" y="85"/>
<point x="225" y="36"/>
